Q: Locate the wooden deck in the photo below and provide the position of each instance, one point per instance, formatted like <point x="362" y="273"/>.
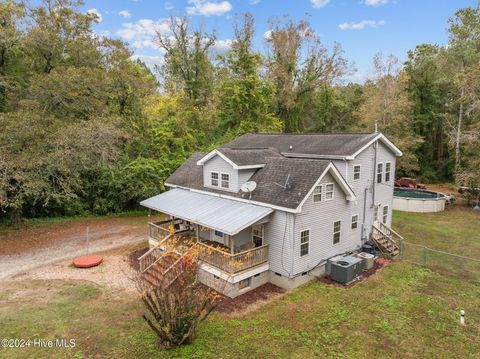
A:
<point x="212" y="253"/>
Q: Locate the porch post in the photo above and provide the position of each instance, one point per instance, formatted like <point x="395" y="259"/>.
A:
<point x="197" y="232"/>
<point x="149" y="221"/>
<point x="232" y="245"/>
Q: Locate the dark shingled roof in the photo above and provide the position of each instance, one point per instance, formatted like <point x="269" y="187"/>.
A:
<point x="303" y="175"/>
<point x="247" y="157"/>
<point x="336" y="144"/>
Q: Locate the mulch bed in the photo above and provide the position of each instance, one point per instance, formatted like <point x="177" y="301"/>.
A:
<point x="378" y="264"/>
<point x="246" y="301"/>
<point x="133" y="257"/>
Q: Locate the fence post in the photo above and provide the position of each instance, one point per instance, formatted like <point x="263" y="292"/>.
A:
<point x="425" y="256"/>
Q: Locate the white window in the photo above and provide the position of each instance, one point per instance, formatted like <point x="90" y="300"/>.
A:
<point x="245" y="283"/>
<point x="388" y="166"/>
<point x="375" y="213"/>
<point x="354" y="221"/>
<point x="385" y="214"/>
<point x="317" y="193"/>
<point x="214" y="179"/>
<point x="328" y="191"/>
<point x="336" y="231"/>
<point x="304" y="240"/>
<point x="356" y="172"/>
<point x="379" y="172"/>
<point x="225" y="180"/>
<point x="257" y="235"/>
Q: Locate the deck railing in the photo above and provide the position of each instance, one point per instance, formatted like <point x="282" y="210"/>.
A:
<point x="233" y="263"/>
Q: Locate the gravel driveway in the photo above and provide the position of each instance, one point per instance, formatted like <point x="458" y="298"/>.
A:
<point x="47" y="253"/>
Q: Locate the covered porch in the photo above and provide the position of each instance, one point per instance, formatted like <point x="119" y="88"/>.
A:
<point x="228" y="235"/>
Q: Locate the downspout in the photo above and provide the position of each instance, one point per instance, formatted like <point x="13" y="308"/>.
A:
<point x="374" y="174"/>
<point x="364" y="230"/>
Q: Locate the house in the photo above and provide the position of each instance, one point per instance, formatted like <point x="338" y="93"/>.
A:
<point x="275" y="207"/>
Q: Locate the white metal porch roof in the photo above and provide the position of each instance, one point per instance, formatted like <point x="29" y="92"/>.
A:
<point x="225" y="215"/>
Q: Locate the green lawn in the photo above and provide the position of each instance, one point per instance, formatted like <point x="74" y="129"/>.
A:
<point x="404" y="311"/>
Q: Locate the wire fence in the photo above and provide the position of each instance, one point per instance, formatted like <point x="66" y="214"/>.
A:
<point x="442" y="262"/>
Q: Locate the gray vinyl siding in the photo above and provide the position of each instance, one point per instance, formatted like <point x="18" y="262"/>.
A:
<point x="219" y="165"/>
<point x="384" y="191"/>
<point x="363" y="188"/>
<point x="244" y="176"/>
<point x="242" y="238"/>
<point x="341" y="167"/>
<point x="278" y="234"/>
<point x="319" y="218"/>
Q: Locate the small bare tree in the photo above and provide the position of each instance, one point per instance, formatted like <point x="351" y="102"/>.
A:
<point x="178" y="302"/>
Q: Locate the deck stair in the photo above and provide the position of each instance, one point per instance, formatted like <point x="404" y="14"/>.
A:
<point x="159" y="267"/>
<point x="386" y="239"/>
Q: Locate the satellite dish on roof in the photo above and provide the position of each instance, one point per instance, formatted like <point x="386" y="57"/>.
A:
<point x="248" y="187"/>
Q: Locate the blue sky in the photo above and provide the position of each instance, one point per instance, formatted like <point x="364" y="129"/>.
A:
<point x="362" y="27"/>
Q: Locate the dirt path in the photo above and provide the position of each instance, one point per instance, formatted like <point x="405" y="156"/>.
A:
<point x="47" y="252"/>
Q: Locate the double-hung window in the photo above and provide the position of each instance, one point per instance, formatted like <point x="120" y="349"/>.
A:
<point x="379" y="172"/>
<point x="385" y="214"/>
<point x="214" y="179"/>
<point x="317" y="193"/>
<point x="388" y="170"/>
<point x="328" y="191"/>
<point x="336" y="231"/>
<point x="354" y="221"/>
<point x="356" y="172"/>
<point x="225" y="180"/>
<point x="304" y="242"/>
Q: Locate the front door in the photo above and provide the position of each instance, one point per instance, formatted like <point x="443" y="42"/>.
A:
<point x="257" y="235"/>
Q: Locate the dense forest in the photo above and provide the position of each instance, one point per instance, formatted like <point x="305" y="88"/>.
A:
<point x="86" y="129"/>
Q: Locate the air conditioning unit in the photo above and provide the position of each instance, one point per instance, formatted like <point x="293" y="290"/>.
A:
<point x="345" y="269"/>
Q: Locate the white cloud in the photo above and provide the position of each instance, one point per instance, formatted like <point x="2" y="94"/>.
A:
<point x="361" y="24"/>
<point x="254" y="2"/>
<point x="319" y="3"/>
<point x="95" y="12"/>
<point x="169" y="6"/>
<point x="221" y="46"/>
<point x="125" y="13"/>
<point x="207" y="8"/>
<point x="140" y="34"/>
<point x="267" y="35"/>
<point x="150" y="61"/>
<point x="375" y="3"/>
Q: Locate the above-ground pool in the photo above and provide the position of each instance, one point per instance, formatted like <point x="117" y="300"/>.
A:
<point x="418" y="200"/>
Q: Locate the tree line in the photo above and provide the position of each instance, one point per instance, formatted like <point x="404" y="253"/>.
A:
<point x="84" y="128"/>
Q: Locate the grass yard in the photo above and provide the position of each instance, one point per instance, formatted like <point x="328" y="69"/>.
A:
<point x="456" y="230"/>
<point x="404" y="311"/>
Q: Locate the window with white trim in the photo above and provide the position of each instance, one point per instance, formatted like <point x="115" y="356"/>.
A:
<point x="385" y="214"/>
<point x="257" y="235"/>
<point x="388" y="170"/>
<point x="214" y="179"/>
<point x="356" y="172"/>
<point x="336" y="231"/>
<point x="375" y="213"/>
<point x="354" y="221"/>
<point x="328" y="191"/>
<point x="225" y="180"/>
<point x="379" y="172"/>
<point x="317" y="193"/>
<point x="304" y="242"/>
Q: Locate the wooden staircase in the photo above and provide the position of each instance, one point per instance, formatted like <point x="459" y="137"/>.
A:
<point x="386" y="239"/>
<point x="160" y="267"/>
